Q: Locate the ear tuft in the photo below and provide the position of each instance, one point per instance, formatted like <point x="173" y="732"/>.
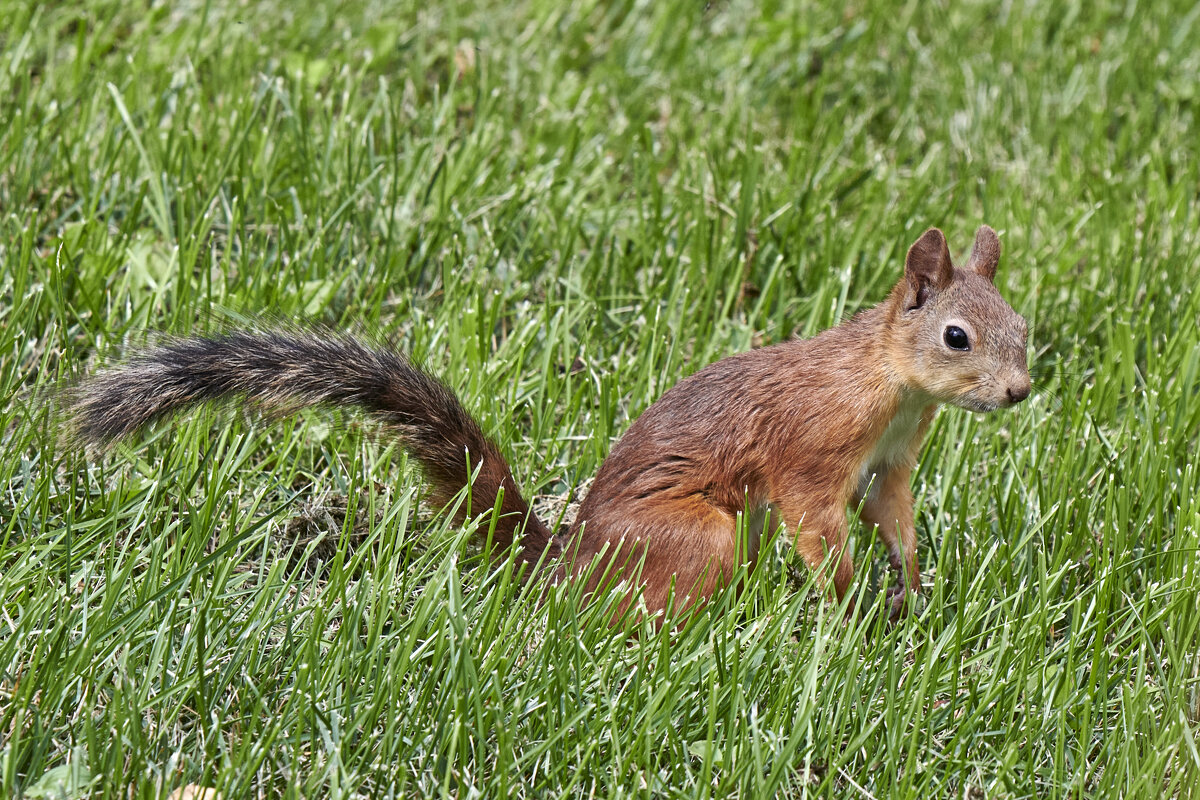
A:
<point x="985" y="255"/>
<point x="927" y="268"/>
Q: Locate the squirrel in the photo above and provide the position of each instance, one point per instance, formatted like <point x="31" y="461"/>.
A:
<point x="805" y="429"/>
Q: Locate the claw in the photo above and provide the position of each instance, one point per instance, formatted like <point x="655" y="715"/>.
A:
<point x="897" y="602"/>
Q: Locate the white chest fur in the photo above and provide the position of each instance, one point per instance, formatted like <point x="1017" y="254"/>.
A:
<point x="895" y="445"/>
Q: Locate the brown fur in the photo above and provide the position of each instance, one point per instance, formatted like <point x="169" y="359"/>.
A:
<point x="803" y="428"/>
<point x="796" y="426"/>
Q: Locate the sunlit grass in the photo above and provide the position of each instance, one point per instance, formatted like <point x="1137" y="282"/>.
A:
<point x="564" y="209"/>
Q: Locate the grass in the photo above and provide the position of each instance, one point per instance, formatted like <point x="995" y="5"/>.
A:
<point x="503" y="189"/>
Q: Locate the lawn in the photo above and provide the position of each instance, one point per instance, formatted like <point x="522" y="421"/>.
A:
<point x="563" y="209"/>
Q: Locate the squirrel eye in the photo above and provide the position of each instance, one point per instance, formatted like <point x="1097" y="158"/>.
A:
<point x="956" y="338"/>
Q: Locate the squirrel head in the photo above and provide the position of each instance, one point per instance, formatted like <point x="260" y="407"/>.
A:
<point x="954" y="337"/>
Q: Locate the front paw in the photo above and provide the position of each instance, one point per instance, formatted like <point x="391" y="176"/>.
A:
<point x="900" y="602"/>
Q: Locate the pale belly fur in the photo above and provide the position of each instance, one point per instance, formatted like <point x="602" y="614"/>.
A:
<point x="894" y="447"/>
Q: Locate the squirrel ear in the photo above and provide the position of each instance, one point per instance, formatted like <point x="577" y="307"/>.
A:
<point x="927" y="268"/>
<point x="985" y="255"/>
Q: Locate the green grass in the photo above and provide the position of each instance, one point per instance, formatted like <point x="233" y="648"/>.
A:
<point x="502" y="190"/>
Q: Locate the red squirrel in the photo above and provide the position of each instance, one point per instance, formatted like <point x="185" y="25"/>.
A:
<point x="806" y="428"/>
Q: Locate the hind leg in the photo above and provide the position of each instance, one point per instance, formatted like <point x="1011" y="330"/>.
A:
<point x="690" y="556"/>
<point x="679" y="553"/>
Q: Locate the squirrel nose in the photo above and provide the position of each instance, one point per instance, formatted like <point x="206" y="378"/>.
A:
<point x="1018" y="393"/>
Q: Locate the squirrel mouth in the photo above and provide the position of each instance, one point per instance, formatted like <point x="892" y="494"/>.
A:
<point x="978" y="405"/>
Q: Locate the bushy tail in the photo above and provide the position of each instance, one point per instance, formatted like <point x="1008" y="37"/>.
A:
<point x="284" y="372"/>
